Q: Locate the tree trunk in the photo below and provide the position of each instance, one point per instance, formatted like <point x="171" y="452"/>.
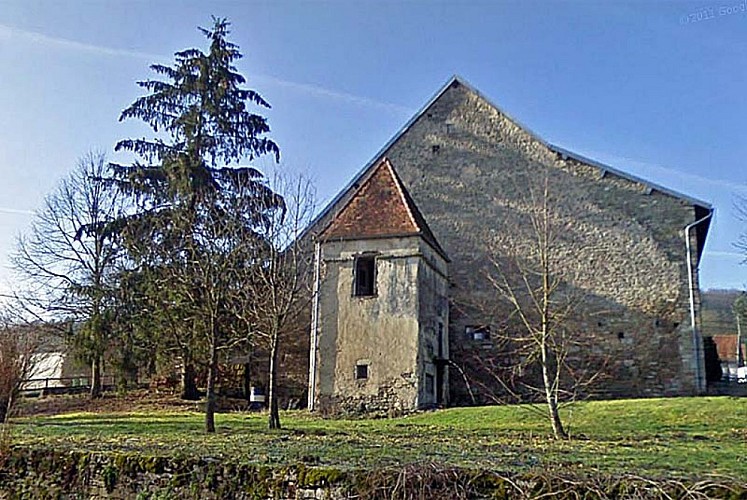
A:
<point x="4" y="408"/>
<point x="248" y="381"/>
<point x="548" y="357"/>
<point x="188" y="385"/>
<point x="551" y="396"/>
<point x="274" y="417"/>
<point x="557" y="424"/>
<point x="152" y="367"/>
<point x="132" y="375"/>
<point x="96" y="378"/>
<point x="210" y="404"/>
<point x="127" y="369"/>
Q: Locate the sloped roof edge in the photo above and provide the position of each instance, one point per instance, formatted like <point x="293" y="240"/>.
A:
<point x="378" y="156"/>
<point x="417" y="216"/>
<point x="630" y="177"/>
<point x="557" y="149"/>
<point x="570" y="154"/>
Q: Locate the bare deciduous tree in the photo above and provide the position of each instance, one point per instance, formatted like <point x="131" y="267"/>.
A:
<point x="223" y="257"/>
<point x="276" y="288"/>
<point x="532" y="272"/>
<point x="740" y="210"/>
<point x="66" y="262"/>
<point x="18" y="346"/>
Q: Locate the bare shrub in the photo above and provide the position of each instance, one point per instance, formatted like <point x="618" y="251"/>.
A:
<point x="17" y="347"/>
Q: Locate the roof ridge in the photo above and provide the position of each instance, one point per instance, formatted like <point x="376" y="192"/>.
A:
<point x="416" y="216"/>
<point x="400" y="190"/>
<point x="380" y="207"/>
<point x="374" y="161"/>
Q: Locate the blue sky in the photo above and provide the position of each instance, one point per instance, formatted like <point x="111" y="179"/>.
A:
<point x="657" y="89"/>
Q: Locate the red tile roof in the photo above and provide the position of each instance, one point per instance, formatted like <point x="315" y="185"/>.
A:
<point x="726" y="345"/>
<point x="381" y="207"/>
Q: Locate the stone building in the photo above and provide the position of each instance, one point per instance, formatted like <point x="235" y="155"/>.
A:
<point x="732" y="353"/>
<point x="394" y="315"/>
<point x="382" y="306"/>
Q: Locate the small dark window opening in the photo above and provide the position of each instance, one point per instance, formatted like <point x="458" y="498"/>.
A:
<point x="620" y="335"/>
<point x="365" y="276"/>
<point x="478" y="333"/>
<point x="361" y="372"/>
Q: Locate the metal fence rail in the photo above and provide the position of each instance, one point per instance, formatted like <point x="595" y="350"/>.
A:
<point x="62" y="384"/>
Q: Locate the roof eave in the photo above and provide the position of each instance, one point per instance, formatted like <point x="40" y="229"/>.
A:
<point x="630" y="177"/>
<point x="419" y="234"/>
<point x="557" y="149"/>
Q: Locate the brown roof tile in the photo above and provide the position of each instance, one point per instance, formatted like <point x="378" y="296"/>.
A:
<point x="381" y="207"/>
<point x="726" y="345"/>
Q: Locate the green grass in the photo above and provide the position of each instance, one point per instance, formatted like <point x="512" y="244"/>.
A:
<point x="651" y="437"/>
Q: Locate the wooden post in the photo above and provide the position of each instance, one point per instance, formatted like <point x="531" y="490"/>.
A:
<point x="739" y="340"/>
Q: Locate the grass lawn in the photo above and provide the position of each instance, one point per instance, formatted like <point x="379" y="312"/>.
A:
<point x="649" y="437"/>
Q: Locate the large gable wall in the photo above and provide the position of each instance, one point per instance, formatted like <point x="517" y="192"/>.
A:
<point x="460" y="160"/>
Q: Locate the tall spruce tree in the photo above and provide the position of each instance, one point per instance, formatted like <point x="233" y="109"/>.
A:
<point x="200" y="117"/>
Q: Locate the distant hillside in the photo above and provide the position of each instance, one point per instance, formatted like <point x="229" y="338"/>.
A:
<point x="717" y="316"/>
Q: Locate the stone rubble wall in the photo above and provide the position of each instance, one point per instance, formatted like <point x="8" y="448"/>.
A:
<point x="43" y="474"/>
<point x="466" y="166"/>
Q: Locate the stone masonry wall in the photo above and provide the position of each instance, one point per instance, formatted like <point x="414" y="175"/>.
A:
<point x="464" y="163"/>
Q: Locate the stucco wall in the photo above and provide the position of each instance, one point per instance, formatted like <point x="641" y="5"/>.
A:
<point x="433" y="292"/>
<point x="381" y="331"/>
<point x="393" y="332"/>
